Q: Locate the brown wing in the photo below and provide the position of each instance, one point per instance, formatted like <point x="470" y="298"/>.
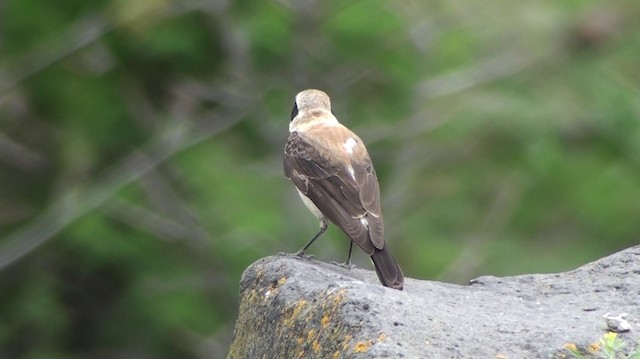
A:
<point x="367" y="182"/>
<point x="328" y="183"/>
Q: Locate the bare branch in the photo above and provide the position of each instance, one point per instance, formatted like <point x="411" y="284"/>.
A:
<point x="83" y="199"/>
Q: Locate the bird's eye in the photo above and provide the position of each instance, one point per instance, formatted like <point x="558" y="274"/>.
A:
<point x="294" y="112"/>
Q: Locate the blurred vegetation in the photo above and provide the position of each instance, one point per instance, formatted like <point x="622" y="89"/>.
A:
<point x="141" y="141"/>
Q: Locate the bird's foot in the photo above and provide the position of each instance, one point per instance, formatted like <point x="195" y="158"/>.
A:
<point x="346" y="265"/>
<point x="299" y="253"/>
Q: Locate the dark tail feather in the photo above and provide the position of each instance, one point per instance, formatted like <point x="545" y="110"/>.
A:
<point x="388" y="271"/>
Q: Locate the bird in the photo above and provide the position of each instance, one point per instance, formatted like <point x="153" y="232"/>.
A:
<point x="335" y="178"/>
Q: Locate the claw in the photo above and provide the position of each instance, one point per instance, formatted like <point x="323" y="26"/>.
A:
<point x="343" y="265"/>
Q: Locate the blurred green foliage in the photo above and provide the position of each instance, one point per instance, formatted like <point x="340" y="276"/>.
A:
<point x="141" y="141"/>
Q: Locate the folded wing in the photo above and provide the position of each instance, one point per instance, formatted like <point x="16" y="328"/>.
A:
<point x="349" y="197"/>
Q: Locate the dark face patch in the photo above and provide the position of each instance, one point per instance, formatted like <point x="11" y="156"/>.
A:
<point x="294" y="112"/>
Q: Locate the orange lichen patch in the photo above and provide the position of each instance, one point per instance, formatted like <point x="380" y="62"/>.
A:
<point x="336" y="355"/>
<point x="310" y="335"/>
<point x="339" y="296"/>
<point x="501" y="356"/>
<point x="593" y="347"/>
<point x="295" y="313"/>
<point x="346" y="340"/>
<point x="571" y="347"/>
<point x="316" y="346"/>
<point x="281" y="281"/>
<point x="299" y="308"/>
<point x="324" y="321"/>
<point x="300" y="341"/>
<point x="362" y="347"/>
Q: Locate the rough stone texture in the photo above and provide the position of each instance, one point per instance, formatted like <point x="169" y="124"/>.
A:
<point x="300" y="308"/>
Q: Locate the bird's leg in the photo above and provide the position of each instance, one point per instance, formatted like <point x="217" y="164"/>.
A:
<point x="323" y="227"/>
<point x="347" y="263"/>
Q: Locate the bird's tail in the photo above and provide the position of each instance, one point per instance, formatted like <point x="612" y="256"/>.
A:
<point x="388" y="270"/>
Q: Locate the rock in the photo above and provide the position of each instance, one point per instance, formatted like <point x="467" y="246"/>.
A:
<point x="294" y="307"/>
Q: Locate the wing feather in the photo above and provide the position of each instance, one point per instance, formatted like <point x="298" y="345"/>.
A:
<point x="330" y="186"/>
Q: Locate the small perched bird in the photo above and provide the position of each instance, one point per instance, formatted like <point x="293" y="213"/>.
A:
<point x="334" y="176"/>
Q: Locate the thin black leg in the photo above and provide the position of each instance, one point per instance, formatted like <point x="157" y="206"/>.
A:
<point x="323" y="227"/>
<point x="348" y="262"/>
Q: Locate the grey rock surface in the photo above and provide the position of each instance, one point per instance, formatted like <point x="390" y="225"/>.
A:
<point x="294" y="307"/>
